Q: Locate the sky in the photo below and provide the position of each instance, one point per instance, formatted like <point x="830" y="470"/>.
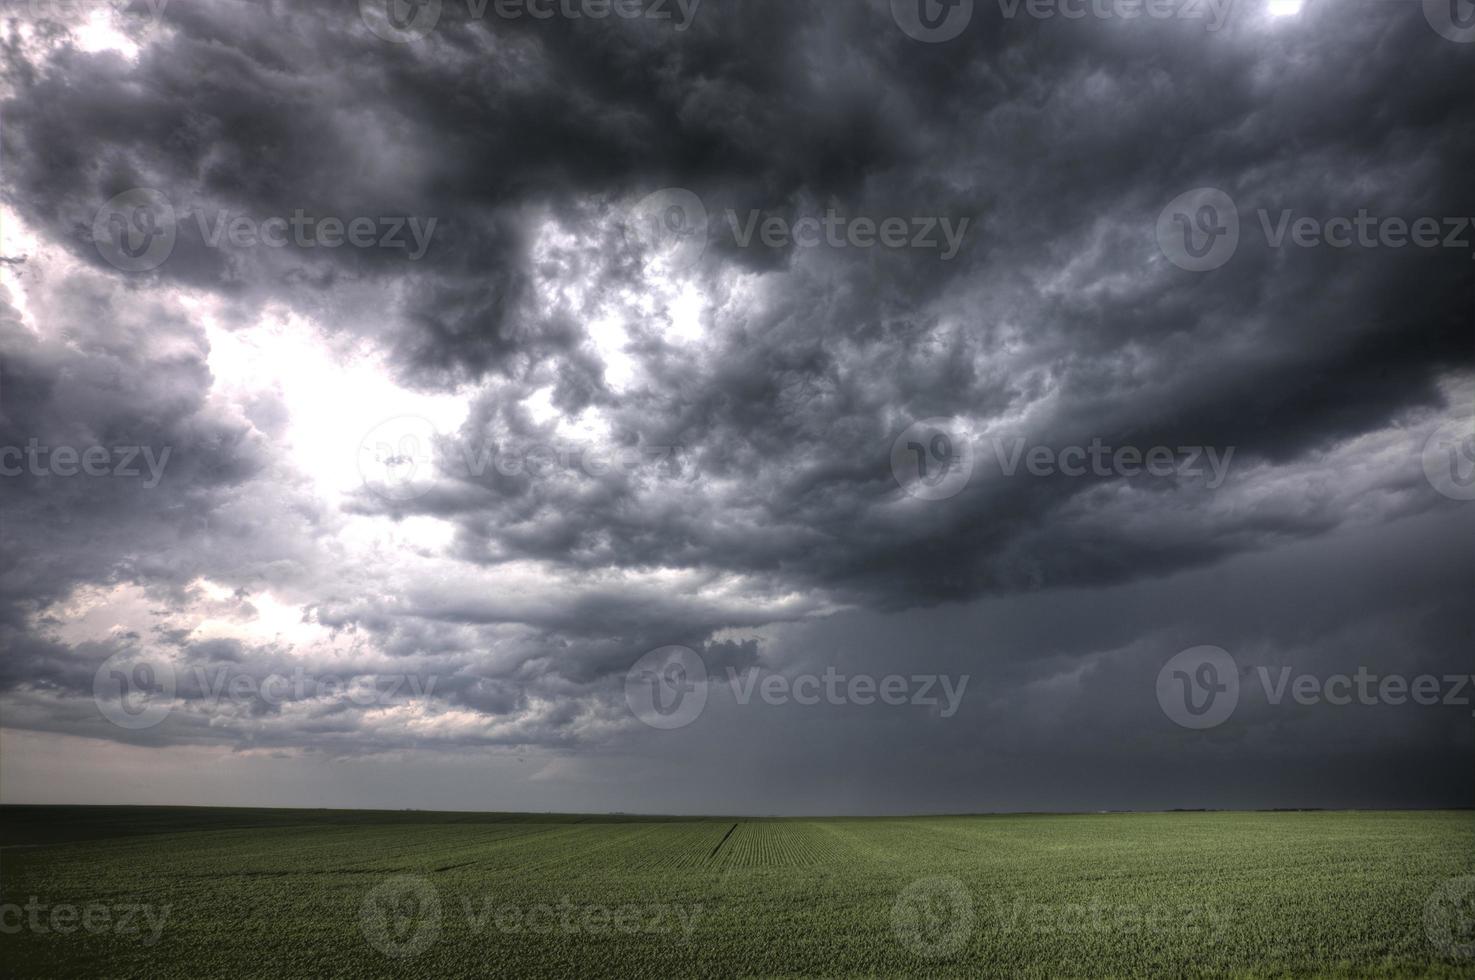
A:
<point x="792" y="407"/>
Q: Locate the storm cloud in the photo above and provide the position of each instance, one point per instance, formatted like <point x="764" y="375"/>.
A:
<point x="492" y="350"/>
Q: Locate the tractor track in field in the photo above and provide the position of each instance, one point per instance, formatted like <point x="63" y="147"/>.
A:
<point x="711" y="856"/>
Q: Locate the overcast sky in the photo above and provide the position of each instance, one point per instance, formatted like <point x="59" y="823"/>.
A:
<point x="381" y="386"/>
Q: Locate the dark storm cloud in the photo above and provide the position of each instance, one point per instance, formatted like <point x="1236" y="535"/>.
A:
<point x="1059" y="321"/>
<point x="1065" y="160"/>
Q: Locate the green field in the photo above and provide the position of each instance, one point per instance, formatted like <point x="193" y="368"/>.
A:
<point x="160" y="892"/>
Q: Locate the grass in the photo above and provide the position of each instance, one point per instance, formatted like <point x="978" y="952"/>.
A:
<point x="284" y="893"/>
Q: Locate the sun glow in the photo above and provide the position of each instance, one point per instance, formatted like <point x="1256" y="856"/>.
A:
<point x="333" y="397"/>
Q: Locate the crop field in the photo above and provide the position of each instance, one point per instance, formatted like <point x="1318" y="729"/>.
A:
<point x="160" y="892"/>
